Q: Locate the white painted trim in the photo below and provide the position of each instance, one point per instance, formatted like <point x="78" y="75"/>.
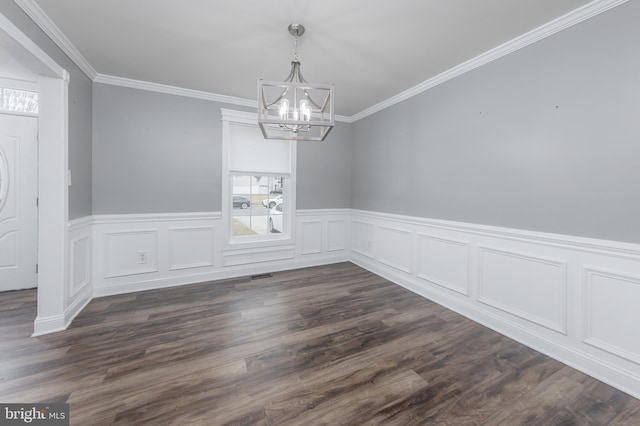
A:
<point x="560" y="327"/>
<point x="73" y="292"/>
<point x="14" y="32"/>
<point x="48" y="325"/>
<point x="45" y="23"/>
<point x="322" y="212"/>
<point x="80" y="222"/>
<point x="172" y="232"/>
<point x="234" y="271"/>
<point x="589" y="245"/>
<point x="244" y="117"/>
<point x="152" y="266"/>
<point x="173" y="90"/>
<point x="460" y="243"/>
<point x="53" y="223"/>
<point x="310" y="223"/>
<point x="587" y="337"/>
<point x="397" y="230"/>
<point x="568" y="20"/>
<point x="11" y="83"/>
<point x="38" y="16"/>
<point x="106" y="219"/>
<point x="56" y="323"/>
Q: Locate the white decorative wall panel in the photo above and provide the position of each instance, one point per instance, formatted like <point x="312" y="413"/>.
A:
<point x="311" y="237"/>
<point x="444" y="262"/>
<point x="123" y="250"/>
<point x="258" y="255"/>
<point x="530" y="287"/>
<point x="336" y="234"/>
<point x="611" y="312"/>
<point x="191" y="247"/>
<point x="394" y="248"/>
<point x="362" y="239"/>
<point x="80" y="270"/>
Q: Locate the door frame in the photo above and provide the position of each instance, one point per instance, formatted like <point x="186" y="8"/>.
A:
<point x="53" y="190"/>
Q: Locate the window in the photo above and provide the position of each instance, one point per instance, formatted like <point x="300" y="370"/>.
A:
<point x="16" y="100"/>
<point x="258" y="183"/>
<point x="255" y="199"/>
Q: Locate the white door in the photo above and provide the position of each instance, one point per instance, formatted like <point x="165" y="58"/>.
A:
<point x="18" y="197"/>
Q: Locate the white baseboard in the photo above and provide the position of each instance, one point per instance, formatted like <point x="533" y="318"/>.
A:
<point x="141" y="284"/>
<point x="553" y="293"/>
<point x="48" y="325"/>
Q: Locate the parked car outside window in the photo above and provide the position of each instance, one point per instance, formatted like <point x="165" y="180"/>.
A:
<point x="241" y="202"/>
<point x="275" y="218"/>
<point x="271" y="202"/>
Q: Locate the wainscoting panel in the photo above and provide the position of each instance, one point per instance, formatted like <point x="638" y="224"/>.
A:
<point x="80" y="270"/>
<point x="554" y="293"/>
<point x="529" y="287"/>
<point x="337" y="234"/>
<point x="148" y="251"/>
<point x="613" y="330"/>
<point x="395" y="247"/>
<point x="311" y="236"/>
<point x="80" y="285"/>
<point x="362" y="237"/>
<point x="131" y="252"/>
<point x="191" y="247"/>
<point x="322" y="233"/>
<point x="444" y="262"/>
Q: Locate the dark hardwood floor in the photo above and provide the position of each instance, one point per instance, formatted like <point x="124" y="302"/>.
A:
<point x="331" y="345"/>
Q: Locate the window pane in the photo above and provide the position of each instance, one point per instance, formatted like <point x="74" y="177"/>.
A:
<point x="19" y="101"/>
<point x="257" y="205"/>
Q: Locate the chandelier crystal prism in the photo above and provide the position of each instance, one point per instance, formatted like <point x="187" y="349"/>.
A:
<point x="295" y="109"/>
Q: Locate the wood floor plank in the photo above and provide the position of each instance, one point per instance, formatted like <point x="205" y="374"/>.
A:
<point x="328" y="345"/>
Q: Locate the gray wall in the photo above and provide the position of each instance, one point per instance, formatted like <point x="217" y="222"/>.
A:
<point x="155" y="153"/>
<point x="324" y="171"/>
<point x="80" y="93"/>
<point x="544" y="139"/>
<point x="159" y="153"/>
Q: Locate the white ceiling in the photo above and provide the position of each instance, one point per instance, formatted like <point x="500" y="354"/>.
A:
<point x="371" y="49"/>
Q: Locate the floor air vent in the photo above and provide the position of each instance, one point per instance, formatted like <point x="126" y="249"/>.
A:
<point x="261" y="276"/>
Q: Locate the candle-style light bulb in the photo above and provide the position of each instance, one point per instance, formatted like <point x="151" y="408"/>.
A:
<point x="305" y="111"/>
<point x="284" y="109"/>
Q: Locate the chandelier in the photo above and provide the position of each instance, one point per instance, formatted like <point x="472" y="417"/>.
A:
<point x="295" y="109"/>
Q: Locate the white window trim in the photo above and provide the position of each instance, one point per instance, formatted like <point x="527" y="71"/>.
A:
<point x="288" y="237"/>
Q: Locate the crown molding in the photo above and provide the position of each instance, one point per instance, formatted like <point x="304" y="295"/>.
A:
<point x="14" y="32"/>
<point x="46" y="24"/>
<point x="179" y="91"/>
<point x="570" y="19"/>
<point x="172" y="90"/>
